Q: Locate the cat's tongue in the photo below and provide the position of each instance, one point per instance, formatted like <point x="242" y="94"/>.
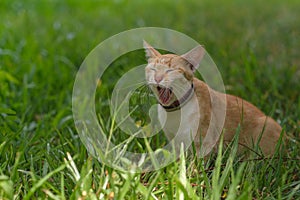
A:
<point x="164" y="95"/>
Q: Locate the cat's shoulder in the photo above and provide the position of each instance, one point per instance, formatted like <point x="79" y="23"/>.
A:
<point x="200" y="85"/>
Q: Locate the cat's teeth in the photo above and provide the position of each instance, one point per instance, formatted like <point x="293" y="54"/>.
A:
<point x="164" y="94"/>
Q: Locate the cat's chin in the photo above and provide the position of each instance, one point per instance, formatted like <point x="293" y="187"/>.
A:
<point x="165" y="95"/>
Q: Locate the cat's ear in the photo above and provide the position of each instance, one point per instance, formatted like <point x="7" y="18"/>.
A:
<point x="150" y="51"/>
<point x="194" y="56"/>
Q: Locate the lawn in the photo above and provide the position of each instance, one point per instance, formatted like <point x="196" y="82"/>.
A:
<point x="255" y="45"/>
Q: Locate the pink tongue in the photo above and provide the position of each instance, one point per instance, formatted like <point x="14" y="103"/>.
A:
<point x="164" y="95"/>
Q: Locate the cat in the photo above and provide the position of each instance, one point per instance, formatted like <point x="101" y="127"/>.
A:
<point x="171" y="78"/>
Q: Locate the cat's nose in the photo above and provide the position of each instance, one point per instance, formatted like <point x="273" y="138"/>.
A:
<point x="159" y="78"/>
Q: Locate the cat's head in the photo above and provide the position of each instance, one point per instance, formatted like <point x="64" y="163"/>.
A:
<point x="170" y="76"/>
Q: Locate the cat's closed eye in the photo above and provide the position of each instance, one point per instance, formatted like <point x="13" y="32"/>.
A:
<point x="170" y="70"/>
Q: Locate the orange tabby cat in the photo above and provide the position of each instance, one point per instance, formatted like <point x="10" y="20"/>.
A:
<point x="169" y="74"/>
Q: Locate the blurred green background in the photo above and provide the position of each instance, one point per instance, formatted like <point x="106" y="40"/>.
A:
<point x="255" y="45"/>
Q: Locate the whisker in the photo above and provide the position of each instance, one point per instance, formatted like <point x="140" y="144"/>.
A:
<point x="128" y="86"/>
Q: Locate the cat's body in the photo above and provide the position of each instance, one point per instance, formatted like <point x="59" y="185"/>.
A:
<point x="179" y="92"/>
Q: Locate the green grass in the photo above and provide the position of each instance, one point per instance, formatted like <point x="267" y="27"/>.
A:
<point x="254" y="44"/>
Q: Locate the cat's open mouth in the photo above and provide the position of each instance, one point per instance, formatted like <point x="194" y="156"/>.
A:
<point x="164" y="94"/>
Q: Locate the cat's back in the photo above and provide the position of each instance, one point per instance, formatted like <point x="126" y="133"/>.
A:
<point x="236" y="107"/>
